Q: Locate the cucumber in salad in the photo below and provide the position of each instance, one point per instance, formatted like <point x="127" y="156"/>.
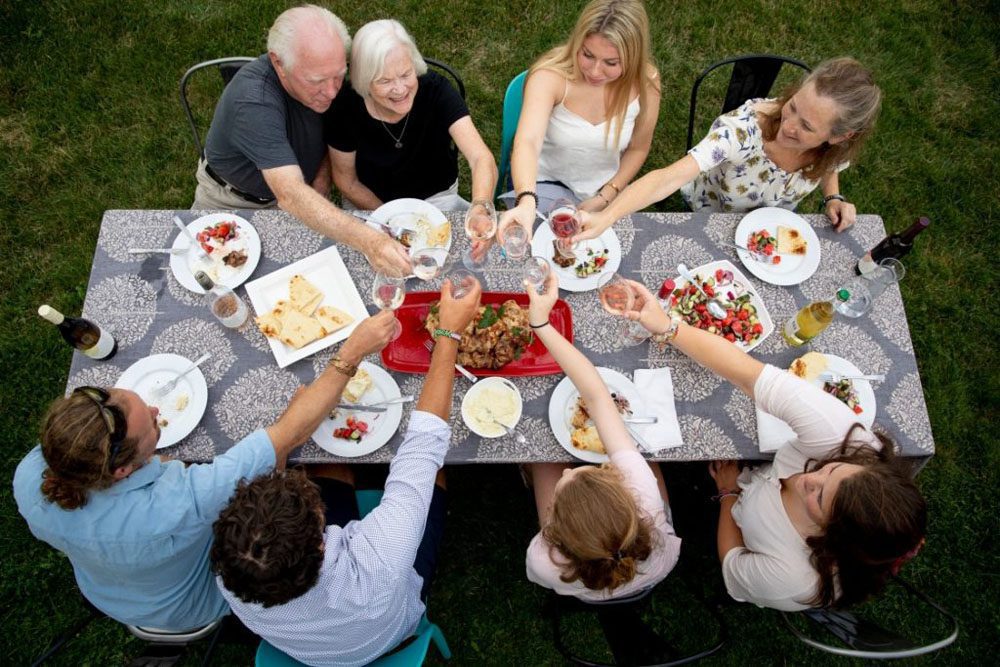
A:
<point x="741" y="323"/>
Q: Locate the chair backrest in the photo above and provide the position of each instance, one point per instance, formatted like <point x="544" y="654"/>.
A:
<point x="752" y="76"/>
<point x="450" y="72"/>
<point x="512" y="101"/>
<point x="866" y="640"/>
<point x="227" y="67"/>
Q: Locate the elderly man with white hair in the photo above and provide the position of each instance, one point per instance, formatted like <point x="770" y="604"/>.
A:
<point x="394" y="132"/>
<point x="265" y="146"/>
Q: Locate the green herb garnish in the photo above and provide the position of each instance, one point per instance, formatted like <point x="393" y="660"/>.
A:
<point x="488" y="319"/>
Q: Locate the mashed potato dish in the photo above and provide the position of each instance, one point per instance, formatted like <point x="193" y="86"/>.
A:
<point x="496" y="401"/>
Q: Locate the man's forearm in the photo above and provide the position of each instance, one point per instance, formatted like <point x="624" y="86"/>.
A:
<point x="435" y="397"/>
<point x="321" y="215"/>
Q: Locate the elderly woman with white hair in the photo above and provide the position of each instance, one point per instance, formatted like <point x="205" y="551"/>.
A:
<point x="391" y="135"/>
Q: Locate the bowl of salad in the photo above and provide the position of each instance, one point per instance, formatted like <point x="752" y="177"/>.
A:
<point x="746" y="324"/>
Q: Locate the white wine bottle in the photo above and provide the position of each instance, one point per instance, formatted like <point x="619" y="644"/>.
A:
<point x="82" y="334"/>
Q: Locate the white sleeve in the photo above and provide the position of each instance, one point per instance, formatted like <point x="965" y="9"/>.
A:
<point x="762" y="580"/>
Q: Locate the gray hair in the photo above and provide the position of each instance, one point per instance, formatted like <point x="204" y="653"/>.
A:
<point x="372" y="44"/>
<point x="281" y="38"/>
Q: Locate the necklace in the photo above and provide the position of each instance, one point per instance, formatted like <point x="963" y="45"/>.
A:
<point x="399" y="139"/>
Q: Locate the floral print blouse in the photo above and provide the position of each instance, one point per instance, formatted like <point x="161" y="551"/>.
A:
<point x="736" y="175"/>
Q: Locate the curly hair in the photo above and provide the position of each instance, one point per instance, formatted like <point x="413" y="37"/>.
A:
<point x="877" y="517"/>
<point x="76" y="445"/>
<point x="851" y="87"/>
<point x="596" y="525"/>
<point x="268" y="544"/>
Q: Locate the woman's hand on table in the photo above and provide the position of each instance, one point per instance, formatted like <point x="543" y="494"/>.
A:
<point x="371" y="335"/>
<point x="455" y="314"/>
<point x="647" y="310"/>
<point x="842" y="214"/>
<point x="540" y="305"/>
<point x="725" y="473"/>
<point x="592" y="225"/>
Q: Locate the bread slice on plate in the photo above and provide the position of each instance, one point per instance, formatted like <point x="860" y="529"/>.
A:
<point x="333" y="319"/>
<point x="790" y="241"/>
<point x="808" y="366"/>
<point x="357" y="386"/>
<point x="587" y="439"/>
<point x="297" y="329"/>
<point x="303" y="294"/>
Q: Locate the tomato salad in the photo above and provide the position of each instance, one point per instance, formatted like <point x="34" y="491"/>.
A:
<point x="741" y="323"/>
<point x="220" y="232"/>
<point x="763" y="243"/>
<point x="355" y="430"/>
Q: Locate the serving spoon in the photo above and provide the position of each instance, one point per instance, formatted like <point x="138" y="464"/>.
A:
<point x="716" y="307"/>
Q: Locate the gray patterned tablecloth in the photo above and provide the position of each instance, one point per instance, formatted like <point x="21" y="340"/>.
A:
<point x="137" y="298"/>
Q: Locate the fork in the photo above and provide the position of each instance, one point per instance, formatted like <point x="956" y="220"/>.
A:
<point x="199" y="251"/>
<point x="830" y="376"/>
<point x="518" y="437"/>
<point x="459" y="367"/>
<point x="759" y="256"/>
<point x="160" y="392"/>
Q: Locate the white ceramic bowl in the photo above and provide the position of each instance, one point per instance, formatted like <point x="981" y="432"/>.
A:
<point x="475" y="391"/>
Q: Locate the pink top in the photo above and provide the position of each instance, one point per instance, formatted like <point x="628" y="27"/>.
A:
<point x="545" y="571"/>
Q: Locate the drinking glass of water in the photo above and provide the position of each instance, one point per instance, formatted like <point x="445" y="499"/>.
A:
<point x="888" y="272"/>
<point x="515" y="241"/>
<point x="462" y="281"/>
<point x="536" y="270"/>
<point x="388" y="293"/>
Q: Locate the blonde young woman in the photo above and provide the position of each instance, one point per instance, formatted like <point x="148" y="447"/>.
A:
<point x="606" y="531"/>
<point x="769" y="152"/>
<point x="589" y="112"/>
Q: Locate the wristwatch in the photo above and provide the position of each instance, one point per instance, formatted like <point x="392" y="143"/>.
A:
<point x="343" y="367"/>
<point x="662" y="339"/>
<point x="446" y="332"/>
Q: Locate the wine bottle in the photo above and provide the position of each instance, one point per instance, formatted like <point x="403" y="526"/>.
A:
<point x="224" y="303"/>
<point x="811" y="321"/>
<point x="895" y="246"/>
<point x="82" y="334"/>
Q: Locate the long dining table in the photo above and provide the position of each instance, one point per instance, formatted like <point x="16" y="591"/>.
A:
<point x="137" y="298"/>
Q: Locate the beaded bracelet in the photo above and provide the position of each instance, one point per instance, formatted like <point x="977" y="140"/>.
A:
<point x="526" y="193"/>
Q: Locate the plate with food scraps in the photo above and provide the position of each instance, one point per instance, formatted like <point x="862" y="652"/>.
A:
<point x="855" y="394"/>
<point x="591" y="258"/>
<point x="183" y="407"/>
<point x="350" y="433"/>
<point x="306" y="306"/>
<point x="415" y="223"/>
<point x="787" y="244"/>
<point x="233" y="248"/>
<point x="409" y="355"/>
<point x="563" y="412"/>
<point x="493" y="398"/>
<point x="747" y="322"/>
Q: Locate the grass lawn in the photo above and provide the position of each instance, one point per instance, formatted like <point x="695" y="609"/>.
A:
<point x="89" y="120"/>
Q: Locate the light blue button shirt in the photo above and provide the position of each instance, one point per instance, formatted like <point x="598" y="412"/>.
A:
<point x="140" y="548"/>
<point x="367" y="597"/>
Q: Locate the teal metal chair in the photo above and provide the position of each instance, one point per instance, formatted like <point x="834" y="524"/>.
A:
<point x="512" y="101"/>
<point x="411" y="655"/>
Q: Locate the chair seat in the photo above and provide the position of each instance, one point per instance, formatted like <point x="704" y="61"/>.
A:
<point x="161" y="636"/>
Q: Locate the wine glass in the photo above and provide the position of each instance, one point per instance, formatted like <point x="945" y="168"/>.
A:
<point x="388" y="293"/>
<point x="564" y="220"/>
<point x="615" y="294"/>
<point x="515" y="240"/>
<point x="536" y="270"/>
<point x="428" y="263"/>
<point x="480" y="225"/>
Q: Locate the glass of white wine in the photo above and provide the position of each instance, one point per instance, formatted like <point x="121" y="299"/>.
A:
<point x="388" y="293"/>
<point x="536" y="270"/>
<point x="480" y="225"/>
<point x="428" y="263"/>
<point x="615" y="294"/>
<point x="515" y="241"/>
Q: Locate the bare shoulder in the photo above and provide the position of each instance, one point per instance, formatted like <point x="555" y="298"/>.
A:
<point x="546" y="84"/>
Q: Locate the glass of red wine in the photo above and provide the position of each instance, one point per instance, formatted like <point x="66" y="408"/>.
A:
<point x="564" y="220"/>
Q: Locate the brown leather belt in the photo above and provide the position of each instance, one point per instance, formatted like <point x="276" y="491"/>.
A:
<point x="253" y="199"/>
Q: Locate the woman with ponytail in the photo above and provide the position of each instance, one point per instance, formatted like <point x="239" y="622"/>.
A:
<point x="606" y="531"/>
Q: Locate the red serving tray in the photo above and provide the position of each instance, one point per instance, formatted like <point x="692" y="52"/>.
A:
<point x="408" y="354"/>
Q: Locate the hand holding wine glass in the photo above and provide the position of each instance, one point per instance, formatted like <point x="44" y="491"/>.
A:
<point x="615" y="294"/>
<point x="535" y="271"/>
<point x="388" y="293"/>
<point x="564" y="220"/>
<point x="514" y="240"/>
<point x="541" y="302"/>
<point x="480" y="225"/>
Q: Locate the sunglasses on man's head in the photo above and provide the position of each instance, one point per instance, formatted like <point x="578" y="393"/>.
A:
<point x="112" y="415"/>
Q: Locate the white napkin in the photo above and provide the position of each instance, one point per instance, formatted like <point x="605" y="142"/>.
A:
<point x="772" y="433"/>
<point x="657" y="390"/>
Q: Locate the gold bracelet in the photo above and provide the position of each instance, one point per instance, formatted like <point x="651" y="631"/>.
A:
<point x="617" y="190"/>
<point x="343" y="367"/>
<point x="662" y="339"/>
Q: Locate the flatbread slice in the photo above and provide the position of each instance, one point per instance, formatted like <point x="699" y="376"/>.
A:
<point x="303" y="294"/>
<point x="439" y="235"/>
<point x="270" y="323"/>
<point x="587" y="440"/>
<point x="357" y="386"/>
<point x="333" y="319"/>
<point x="297" y="329"/>
<point x="809" y="366"/>
<point x="790" y="241"/>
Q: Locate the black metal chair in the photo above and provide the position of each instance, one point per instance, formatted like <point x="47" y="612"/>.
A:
<point x="866" y="640"/>
<point x="227" y="67"/>
<point x="752" y="76"/>
<point x="631" y="640"/>
<point x="450" y="72"/>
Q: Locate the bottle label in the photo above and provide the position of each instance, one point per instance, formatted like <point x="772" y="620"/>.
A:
<point x="792" y="334"/>
<point x="102" y="348"/>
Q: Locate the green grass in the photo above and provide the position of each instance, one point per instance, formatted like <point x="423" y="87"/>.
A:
<point x="89" y="121"/>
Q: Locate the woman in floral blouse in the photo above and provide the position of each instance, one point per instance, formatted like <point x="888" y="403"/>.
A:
<point x="769" y="152"/>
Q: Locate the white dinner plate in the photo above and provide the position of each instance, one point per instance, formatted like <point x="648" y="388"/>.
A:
<point x="743" y="285"/>
<point x="156" y="370"/>
<point x="184" y="266"/>
<point x="327" y="272"/>
<point x="863" y="388"/>
<point x="541" y="245"/>
<point x="478" y="388"/>
<point x="406" y="214"/>
<point x="381" y="425"/>
<point x="793" y="269"/>
<point x="563" y="403"/>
